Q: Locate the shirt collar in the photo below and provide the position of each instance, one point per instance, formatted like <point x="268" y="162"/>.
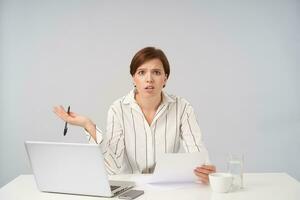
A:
<point x="129" y="98"/>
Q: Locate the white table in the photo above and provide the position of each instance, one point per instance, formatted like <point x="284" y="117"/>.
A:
<point x="264" y="186"/>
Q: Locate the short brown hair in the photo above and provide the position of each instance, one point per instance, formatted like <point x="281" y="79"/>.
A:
<point x="146" y="54"/>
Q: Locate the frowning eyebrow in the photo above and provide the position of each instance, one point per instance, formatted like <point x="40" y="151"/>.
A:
<point x="155" y="69"/>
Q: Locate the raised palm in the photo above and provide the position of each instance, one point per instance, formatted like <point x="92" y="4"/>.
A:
<point x="71" y="118"/>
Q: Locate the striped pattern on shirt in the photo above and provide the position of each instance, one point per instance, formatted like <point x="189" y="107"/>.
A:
<point x="131" y="145"/>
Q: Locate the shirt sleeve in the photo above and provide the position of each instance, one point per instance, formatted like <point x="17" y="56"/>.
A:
<point x="191" y="134"/>
<point x="112" y="143"/>
<point x="99" y="136"/>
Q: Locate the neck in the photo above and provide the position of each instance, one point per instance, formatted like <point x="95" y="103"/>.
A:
<point x="148" y="103"/>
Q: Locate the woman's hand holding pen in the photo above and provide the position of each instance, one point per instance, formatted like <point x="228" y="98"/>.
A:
<point x="71" y="118"/>
<point x="75" y="119"/>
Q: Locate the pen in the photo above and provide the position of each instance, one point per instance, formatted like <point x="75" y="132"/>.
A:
<point x="66" y="124"/>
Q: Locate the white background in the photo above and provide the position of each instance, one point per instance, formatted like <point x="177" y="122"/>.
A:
<point x="237" y="62"/>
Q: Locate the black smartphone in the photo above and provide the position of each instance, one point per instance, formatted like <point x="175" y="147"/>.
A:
<point x="131" y="194"/>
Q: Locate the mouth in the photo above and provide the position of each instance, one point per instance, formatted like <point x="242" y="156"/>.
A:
<point x="150" y="87"/>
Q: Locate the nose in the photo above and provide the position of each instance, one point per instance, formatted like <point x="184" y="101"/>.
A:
<point x="149" y="78"/>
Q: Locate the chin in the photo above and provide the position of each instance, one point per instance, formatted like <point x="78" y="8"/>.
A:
<point x="152" y="94"/>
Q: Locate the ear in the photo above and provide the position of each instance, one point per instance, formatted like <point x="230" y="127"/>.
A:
<point x="165" y="80"/>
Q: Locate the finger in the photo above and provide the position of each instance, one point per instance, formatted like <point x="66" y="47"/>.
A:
<point x="56" y="110"/>
<point x="59" y="108"/>
<point x="209" y="167"/>
<point x="203" y="177"/>
<point x="203" y="171"/>
<point x="200" y="175"/>
<point x="72" y="114"/>
<point x="61" y="113"/>
<point x="62" y="108"/>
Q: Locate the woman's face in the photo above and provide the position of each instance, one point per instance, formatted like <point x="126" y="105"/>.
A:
<point x="150" y="78"/>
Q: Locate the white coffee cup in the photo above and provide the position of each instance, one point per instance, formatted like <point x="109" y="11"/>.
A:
<point x="220" y="182"/>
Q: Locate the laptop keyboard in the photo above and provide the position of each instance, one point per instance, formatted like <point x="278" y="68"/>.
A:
<point x="114" y="187"/>
<point x="121" y="191"/>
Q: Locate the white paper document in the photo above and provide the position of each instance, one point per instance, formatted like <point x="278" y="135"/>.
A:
<point x="177" y="167"/>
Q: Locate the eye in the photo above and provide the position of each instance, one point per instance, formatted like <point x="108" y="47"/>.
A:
<point x="141" y="72"/>
<point x="157" y="72"/>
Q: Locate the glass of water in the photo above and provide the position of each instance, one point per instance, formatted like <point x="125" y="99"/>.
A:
<point x="235" y="167"/>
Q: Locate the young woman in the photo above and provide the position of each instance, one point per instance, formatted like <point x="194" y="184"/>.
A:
<point x="146" y="122"/>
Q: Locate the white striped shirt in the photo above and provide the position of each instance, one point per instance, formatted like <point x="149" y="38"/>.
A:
<point x="131" y="145"/>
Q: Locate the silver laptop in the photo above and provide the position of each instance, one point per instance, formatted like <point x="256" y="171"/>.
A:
<point x="72" y="168"/>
